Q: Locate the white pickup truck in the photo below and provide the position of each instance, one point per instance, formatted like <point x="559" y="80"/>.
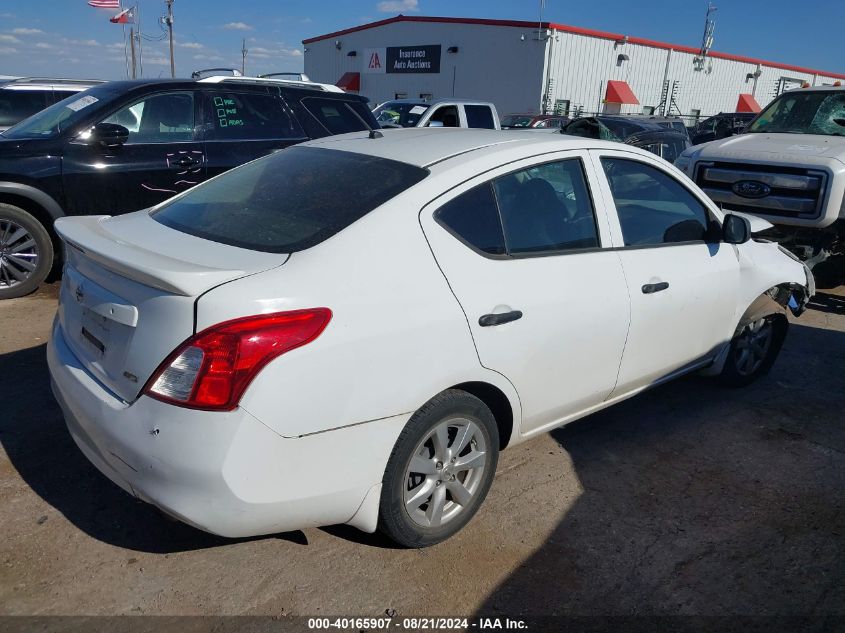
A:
<point x="440" y="113"/>
<point x="787" y="167"/>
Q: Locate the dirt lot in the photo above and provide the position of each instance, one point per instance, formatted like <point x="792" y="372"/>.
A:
<point x="690" y="499"/>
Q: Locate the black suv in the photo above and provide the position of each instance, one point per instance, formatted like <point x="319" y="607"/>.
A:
<point x="128" y="145"/>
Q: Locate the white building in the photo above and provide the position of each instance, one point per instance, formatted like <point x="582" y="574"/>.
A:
<point x="526" y="67"/>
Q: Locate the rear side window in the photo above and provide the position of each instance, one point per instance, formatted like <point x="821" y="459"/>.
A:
<point x="249" y="116"/>
<point x="338" y="116"/>
<point x="653" y="207"/>
<point x="17" y="105"/>
<point x="474" y="219"/>
<point x="288" y="201"/>
<point x="479" y="116"/>
<point x="547" y="208"/>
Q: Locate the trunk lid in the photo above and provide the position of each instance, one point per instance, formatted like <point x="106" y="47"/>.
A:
<point x="129" y="289"/>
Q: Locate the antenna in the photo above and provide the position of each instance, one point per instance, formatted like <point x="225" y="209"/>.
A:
<point x="707" y="38"/>
<point x="168" y="20"/>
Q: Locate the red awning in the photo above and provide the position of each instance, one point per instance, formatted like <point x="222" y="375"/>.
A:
<point x="350" y="82"/>
<point x="620" y="92"/>
<point x="747" y="103"/>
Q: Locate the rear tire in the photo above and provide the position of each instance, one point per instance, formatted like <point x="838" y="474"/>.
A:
<point x="439" y="471"/>
<point x="26" y="252"/>
<point x="753" y="351"/>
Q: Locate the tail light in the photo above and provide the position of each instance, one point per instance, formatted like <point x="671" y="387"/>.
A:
<point x="212" y="369"/>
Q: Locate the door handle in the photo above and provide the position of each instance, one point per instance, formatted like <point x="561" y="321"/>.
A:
<point x="652" y="288"/>
<point x="186" y="161"/>
<point x="498" y="319"/>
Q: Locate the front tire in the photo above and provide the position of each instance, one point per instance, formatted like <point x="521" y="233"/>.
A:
<point x="26" y="252"/>
<point x="439" y="471"/>
<point x="754" y="349"/>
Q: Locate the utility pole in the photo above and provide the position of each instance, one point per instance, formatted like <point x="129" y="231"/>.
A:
<point x="169" y="21"/>
<point x="243" y="57"/>
<point x="132" y="48"/>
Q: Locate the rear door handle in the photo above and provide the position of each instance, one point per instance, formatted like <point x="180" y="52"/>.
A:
<point x="652" y="288"/>
<point x="498" y="319"/>
<point x="186" y="161"/>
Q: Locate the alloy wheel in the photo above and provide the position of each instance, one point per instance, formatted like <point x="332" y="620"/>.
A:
<point x="18" y="254"/>
<point x="445" y="472"/>
<point x="752" y="346"/>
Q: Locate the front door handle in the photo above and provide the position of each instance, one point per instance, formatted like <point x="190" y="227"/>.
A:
<point x="498" y="319"/>
<point x="185" y="161"/>
<point x="652" y="288"/>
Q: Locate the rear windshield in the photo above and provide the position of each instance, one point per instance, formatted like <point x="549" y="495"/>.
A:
<point x="290" y="200"/>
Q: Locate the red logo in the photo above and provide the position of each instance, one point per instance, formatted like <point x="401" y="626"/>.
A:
<point x="375" y="62"/>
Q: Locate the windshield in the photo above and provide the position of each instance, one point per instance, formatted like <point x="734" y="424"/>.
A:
<point x="516" y="120"/>
<point x="397" y="114"/>
<point x="58" y="117"/>
<point x="289" y="201"/>
<point x="803" y="112"/>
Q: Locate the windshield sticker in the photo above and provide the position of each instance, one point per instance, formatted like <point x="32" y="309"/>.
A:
<point x="82" y="102"/>
<point x="418" y="110"/>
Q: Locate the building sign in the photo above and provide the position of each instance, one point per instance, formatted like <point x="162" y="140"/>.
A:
<point x="402" y="59"/>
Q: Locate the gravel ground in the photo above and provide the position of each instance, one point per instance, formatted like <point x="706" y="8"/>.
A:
<point x="689" y="499"/>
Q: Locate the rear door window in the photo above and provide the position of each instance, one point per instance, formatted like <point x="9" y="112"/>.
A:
<point x="338" y="116"/>
<point x="653" y="207"/>
<point x="322" y="192"/>
<point x="547" y="208"/>
<point x="249" y="116"/>
<point x="479" y="116"/>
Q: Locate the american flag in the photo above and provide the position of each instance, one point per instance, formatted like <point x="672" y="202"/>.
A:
<point x="104" y="4"/>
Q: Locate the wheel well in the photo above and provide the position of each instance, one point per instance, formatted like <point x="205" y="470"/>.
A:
<point x="40" y="214"/>
<point x="498" y="404"/>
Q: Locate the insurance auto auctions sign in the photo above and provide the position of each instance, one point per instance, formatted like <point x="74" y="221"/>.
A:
<point x="402" y="59"/>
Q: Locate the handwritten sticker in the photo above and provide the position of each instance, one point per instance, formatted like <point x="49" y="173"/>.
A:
<point x="418" y="110"/>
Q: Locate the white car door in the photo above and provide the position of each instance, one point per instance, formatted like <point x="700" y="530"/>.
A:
<point x="683" y="281"/>
<point x="527" y="257"/>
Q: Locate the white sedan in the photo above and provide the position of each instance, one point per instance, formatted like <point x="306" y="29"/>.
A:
<point x="351" y="329"/>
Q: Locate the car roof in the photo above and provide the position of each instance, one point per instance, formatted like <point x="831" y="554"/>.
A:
<point x="424" y="147"/>
<point x="47" y="83"/>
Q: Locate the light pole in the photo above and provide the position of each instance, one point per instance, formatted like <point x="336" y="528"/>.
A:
<point x="169" y="21"/>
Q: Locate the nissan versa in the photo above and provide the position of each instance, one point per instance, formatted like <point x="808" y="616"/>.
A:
<point x="352" y="329"/>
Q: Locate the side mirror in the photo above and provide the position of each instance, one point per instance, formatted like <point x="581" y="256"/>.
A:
<point x="435" y="124"/>
<point x="108" y="135"/>
<point x="735" y="229"/>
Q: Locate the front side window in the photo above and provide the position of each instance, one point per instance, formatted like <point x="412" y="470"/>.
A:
<point x="547" y="208"/>
<point x="249" y="116"/>
<point x="322" y="192"/>
<point x="479" y="116"/>
<point x="446" y="116"/>
<point x="163" y="118"/>
<point x="653" y="207"/>
<point x="474" y="218"/>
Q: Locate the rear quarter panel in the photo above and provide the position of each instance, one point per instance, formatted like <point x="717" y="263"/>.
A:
<point x="397" y="335"/>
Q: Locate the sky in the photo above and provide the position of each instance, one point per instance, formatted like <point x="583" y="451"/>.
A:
<point x="67" y="38"/>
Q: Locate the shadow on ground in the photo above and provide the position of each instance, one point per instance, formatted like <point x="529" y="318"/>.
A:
<point x="743" y="515"/>
<point x="40" y="448"/>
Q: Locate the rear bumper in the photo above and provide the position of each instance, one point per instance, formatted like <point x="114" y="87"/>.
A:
<point x="223" y="472"/>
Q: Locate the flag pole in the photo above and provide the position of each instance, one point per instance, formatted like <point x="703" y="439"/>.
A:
<point x="132" y="47"/>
